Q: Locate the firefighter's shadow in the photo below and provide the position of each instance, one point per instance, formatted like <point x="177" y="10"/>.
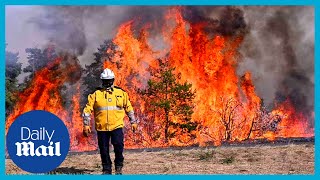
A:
<point x="70" y="170"/>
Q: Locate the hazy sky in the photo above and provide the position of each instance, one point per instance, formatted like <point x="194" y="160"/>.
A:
<point x="20" y="33"/>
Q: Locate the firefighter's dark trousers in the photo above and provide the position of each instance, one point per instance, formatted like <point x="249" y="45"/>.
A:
<point x="116" y="137"/>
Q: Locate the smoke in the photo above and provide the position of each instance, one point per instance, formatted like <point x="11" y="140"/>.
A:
<point x="81" y="29"/>
<point x="279" y="51"/>
<point x="226" y="21"/>
<point x="278" y="47"/>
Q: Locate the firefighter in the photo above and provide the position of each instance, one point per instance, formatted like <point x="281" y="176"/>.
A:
<point x="109" y="105"/>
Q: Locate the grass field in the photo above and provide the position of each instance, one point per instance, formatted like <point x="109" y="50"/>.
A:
<point x="263" y="159"/>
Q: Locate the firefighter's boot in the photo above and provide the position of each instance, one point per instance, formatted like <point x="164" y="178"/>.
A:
<point x="106" y="169"/>
<point x="118" y="170"/>
<point x="106" y="172"/>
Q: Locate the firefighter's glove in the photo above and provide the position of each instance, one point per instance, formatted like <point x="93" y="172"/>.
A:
<point x="86" y="131"/>
<point x="134" y="127"/>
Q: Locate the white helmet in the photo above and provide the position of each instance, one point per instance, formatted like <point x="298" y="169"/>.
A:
<point x="107" y="74"/>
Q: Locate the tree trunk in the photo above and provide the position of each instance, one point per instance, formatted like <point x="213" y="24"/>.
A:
<point x="228" y="133"/>
<point x="250" y="130"/>
<point x="166" y="133"/>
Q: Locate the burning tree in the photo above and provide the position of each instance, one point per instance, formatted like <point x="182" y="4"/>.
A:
<point x="55" y="88"/>
<point x="263" y="124"/>
<point x="228" y="116"/>
<point x="170" y="102"/>
<point x="38" y="59"/>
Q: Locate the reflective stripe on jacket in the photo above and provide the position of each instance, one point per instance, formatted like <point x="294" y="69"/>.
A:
<point x="109" y="108"/>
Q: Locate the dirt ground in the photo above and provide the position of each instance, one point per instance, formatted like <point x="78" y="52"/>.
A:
<point x="283" y="159"/>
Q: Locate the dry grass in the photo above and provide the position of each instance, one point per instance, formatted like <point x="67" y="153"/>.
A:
<point x="285" y="159"/>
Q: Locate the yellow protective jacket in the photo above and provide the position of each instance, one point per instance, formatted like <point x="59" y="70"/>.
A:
<point x="109" y="108"/>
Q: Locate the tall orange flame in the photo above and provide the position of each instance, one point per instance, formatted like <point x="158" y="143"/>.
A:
<point x="209" y="63"/>
<point x="227" y="107"/>
<point x="44" y="93"/>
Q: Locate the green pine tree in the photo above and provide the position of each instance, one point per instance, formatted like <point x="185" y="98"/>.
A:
<point x="91" y="74"/>
<point x="167" y="98"/>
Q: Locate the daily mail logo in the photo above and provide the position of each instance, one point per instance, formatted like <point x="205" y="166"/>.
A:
<point x="25" y="148"/>
<point x="38" y="141"/>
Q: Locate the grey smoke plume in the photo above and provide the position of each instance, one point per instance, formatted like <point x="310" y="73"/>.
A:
<point x="222" y="20"/>
<point x="81" y="29"/>
<point x="278" y="48"/>
<point x="279" y="51"/>
<point x="63" y="28"/>
<point x="278" y="45"/>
